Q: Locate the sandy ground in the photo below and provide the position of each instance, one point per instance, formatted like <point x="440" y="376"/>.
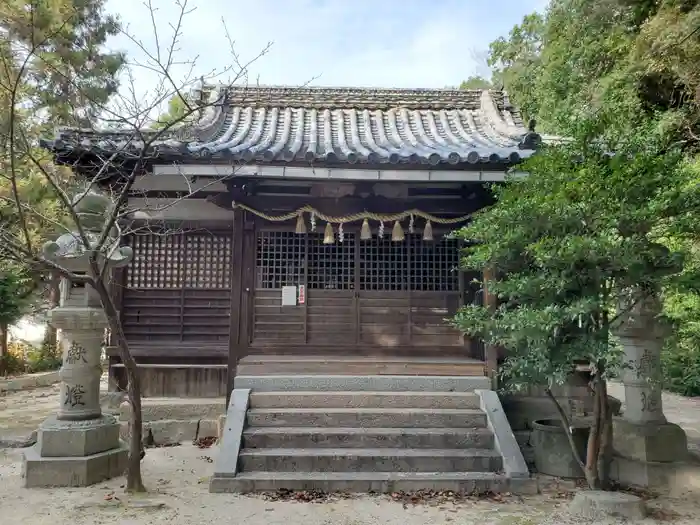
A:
<point x="177" y="479"/>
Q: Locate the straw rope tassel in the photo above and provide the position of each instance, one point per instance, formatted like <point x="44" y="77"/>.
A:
<point x="365" y="232"/>
<point x="301" y="224"/>
<point x="397" y="234"/>
<point x="328" y="237"/>
<point x="428" y="232"/>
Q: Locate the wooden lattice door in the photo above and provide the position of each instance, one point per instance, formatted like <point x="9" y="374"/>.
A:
<point x="407" y="290"/>
<point x="357" y="293"/>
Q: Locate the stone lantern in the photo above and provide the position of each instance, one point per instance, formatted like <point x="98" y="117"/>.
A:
<point x="79" y="445"/>
<point x="648" y="449"/>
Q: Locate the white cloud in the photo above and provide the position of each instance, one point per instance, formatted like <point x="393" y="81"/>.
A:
<point x="336" y="42"/>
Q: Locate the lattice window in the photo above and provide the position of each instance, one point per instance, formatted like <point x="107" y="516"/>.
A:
<point x="331" y="266"/>
<point x="190" y="260"/>
<point x="157" y="262"/>
<point x="434" y="264"/>
<point x="280" y="259"/>
<point x="383" y="264"/>
<point x="208" y="261"/>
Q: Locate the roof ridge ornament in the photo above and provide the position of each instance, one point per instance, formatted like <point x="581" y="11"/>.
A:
<point x="531" y="140"/>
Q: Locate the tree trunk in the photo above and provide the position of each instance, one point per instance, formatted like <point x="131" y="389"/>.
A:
<point x="54" y="298"/>
<point x="566" y="424"/>
<point x="594" y="438"/>
<point x="4" y="338"/>
<point x="606" y="449"/>
<point x="134" y="481"/>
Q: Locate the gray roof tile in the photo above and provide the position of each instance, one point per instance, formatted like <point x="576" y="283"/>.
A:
<point x="348" y="125"/>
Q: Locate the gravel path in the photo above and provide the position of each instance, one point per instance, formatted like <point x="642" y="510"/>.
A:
<point x="177" y="479"/>
<point x="21" y="412"/>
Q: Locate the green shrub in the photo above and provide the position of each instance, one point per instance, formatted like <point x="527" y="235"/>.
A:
<point x="45" y="358"/>
<point x="22" y="358"/>
<point x="11" y="364"/>
<point x="681" y="368"/>
<point x="681" y="356"/>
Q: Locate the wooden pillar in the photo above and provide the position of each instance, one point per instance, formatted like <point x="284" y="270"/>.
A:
<point x="490" y="351"/>
<point x="234" y="350"/>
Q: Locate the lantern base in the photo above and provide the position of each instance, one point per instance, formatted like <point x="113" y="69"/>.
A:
<point x="75" y="453"/>
<point x="38" y="471"/>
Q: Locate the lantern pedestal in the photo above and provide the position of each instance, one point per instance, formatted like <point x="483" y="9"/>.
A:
<point x="648" y="449"/>
<point x="78" y="445"/>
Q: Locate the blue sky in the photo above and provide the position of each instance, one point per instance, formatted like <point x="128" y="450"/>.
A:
<point x="388" y="43"/>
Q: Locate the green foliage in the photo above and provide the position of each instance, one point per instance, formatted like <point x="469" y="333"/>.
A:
<point x="12" y="363"/>
<point x="71" y="74"/>
<point x="54" y="70"/>
<point x="14" y="290"/>
<point x="681" y="356"/>
<point x="177" y="109"/>
<point x="625" y="64"/>
<point x="516" y="62"/>
<point x="476" y="82"/>
<point x="22" y="358"/>
<point x="566" y="244"/>
<point x="44" y="358"/>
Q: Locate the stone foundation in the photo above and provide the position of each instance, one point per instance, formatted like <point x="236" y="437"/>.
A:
<point x="40" y="471"/>
<point x="524" y="407"/>
<point x="170" y="421"/>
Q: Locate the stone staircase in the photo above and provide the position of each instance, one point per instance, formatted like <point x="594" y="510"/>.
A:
<point x="318" y="424"/>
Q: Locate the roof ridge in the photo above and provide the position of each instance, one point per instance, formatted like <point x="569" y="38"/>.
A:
<point x="254" y="87"/>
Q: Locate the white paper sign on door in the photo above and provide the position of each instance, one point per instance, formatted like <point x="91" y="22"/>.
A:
<point x="289" y="296"/>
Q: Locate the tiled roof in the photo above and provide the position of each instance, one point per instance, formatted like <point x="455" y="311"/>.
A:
<point x="346" y="125"/>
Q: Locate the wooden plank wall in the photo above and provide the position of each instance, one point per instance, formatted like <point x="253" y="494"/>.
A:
<point x="195" y="315"/>
<point x="331" y="317"/>
<point x="408" y="318"/>
<point x="176" y="312"/>
<point x="276" y="324"/>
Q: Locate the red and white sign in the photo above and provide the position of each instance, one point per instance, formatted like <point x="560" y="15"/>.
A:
<point x="302" y="294"/>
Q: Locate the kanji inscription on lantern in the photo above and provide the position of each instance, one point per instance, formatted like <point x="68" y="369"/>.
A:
<point x="74" y="396"/>
<point x="646" y="366"/>
<point x="650" y="402"/>
<point x="76" y="353"/>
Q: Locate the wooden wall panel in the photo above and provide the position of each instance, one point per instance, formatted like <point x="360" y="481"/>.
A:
<point x="178" y="288"/>
<point x="331" y="317"/>
<point x="274" y="323"/>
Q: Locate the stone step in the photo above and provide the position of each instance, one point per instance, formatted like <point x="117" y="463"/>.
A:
<point x="369" y="459"/>
<point x="364" y="383"/>
<point x="364" y="400"/>
<point x="380" y="482"/>
<point x="366" y="418"/>
<point x="417" y="438"/>
<point x="173" y="408"/>
<point x="360" y="366"/>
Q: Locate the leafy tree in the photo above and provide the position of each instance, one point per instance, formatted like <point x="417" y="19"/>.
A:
<point x="516" y="62"/>
<point x="177" y="110"/>
<point x="629" y="64"/>
<point x="54" y="65"/>
<point x="70" y="73"/>
<point x="22" y="217"/>
<point x="567" y="244"/>
<point x="15" y="288"/>
<point x="476" y="82"/>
